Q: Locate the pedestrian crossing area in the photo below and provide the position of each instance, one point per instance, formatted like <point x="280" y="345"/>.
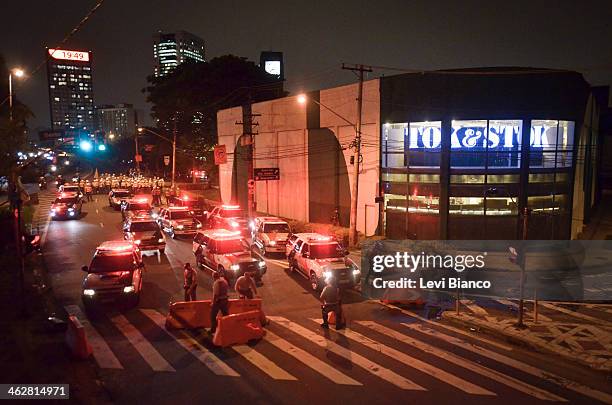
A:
<point x="417" y="357"/>
<point x="40" y="221"/>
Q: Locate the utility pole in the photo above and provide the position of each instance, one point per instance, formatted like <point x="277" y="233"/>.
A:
<point x="522" y="258"/>
<point x="173" y="153"/>
<point x="137" y="156"/>
<point x="353" y="236"/>
<point x="248" y="139"/>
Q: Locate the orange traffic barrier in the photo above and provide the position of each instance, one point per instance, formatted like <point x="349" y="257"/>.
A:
<point x="238" y="329"/>
<point x="188" y="315"/>
<point x="238" y="306"/>
<point x="76" y="339"/>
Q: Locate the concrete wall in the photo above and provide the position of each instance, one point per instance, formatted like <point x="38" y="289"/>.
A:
<point x="314" y="175"/>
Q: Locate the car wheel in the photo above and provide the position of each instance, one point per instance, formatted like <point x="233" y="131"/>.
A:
<point x="314" y="282"/>
<point x="161" y="251"/>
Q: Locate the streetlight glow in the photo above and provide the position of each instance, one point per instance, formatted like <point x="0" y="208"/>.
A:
<point x="18" y="72"/>
<point x="111" y="136"/>
<point x="140" y="129"/>
<point x="302" y="99"/>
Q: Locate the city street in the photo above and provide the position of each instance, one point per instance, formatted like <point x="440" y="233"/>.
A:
<point x="383" y="356"/>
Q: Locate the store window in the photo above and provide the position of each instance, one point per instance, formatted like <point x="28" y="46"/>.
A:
<point x="424" y="178"/>
<point x="393" y="145"/>
<point x="497" y="206"/>
<point x="425" y="141"/>
<point x="466" y="206"/>
<point x="502" y="178"/>
<point x="424" y="204"/>
<point x="467" y="178"/>
<point x="551" y="143"/>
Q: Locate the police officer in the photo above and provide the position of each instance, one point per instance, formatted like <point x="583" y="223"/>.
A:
<point x="88" y="191"/>
<point x="330" y="296"/>
<point x="245" y="286"/>
<point x="219" y="300"/>
<point x="191" y="282"/>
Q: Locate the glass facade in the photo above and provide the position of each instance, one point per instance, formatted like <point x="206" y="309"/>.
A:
<point x="478" y="194"/>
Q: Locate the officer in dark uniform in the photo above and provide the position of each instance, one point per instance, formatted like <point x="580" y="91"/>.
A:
<point x="191" y="282"/>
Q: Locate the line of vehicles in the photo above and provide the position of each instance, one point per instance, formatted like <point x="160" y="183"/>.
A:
<point x="224" y="241"/>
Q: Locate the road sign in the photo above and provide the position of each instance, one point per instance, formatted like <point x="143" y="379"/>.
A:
<point x="166" y="160"/>
<point x="220" y="155"/>
<point x="267" y="173"/>
<point x="138" y="158"/>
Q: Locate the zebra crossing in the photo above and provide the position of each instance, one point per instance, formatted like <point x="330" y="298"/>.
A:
<point x="40" y="221"/>
<point x="364" y="346"/>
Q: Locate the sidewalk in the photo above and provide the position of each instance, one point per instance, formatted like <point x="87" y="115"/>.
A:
<point x="579" y="333"/>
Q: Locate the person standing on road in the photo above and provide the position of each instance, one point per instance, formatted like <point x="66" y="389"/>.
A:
<point x="191" y="282"/>
<point x="219" y="300"/>
<point x="330" y="296"/>
<point x="245" y="286"/>
<point x="88" y="191"/>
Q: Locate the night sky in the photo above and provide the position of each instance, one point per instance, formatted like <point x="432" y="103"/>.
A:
<point x="315" y="36"/>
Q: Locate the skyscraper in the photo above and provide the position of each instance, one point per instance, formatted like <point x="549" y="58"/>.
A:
<point x="69" y="78"/>
<point x="119" y="120"/>
<point x="172" y="49"/>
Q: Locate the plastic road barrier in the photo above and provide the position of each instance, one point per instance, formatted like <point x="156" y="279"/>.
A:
<point x="238" y="329"/>
<point x="76" y="339"/>
<point x="196" y="314"/>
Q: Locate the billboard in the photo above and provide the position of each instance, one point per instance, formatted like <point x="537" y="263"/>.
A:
<point x="64" y="54"/>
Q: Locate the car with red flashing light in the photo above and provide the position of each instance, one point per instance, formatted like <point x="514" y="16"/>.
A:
<point x="177" y="221"/>
<point x="118" y="195"/>
<point x="71" y="188"/>
<point x="195" y="205"/>
<point x="270" y="234"/>
<point x="145" y="232"/>
<point x="295" y="240"/>
<point x="230" y="217"/>
<point x="67" y="206"/>
<point x="114" y="275"/>
<point x="320" y="258"/>
<point x="226" y="252"/>
<point x="136" y="206"/>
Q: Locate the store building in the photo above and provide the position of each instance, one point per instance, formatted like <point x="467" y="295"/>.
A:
<point x="454" y="154"/>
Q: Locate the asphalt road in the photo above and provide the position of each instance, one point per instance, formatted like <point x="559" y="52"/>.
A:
<point x="383" y="357"/>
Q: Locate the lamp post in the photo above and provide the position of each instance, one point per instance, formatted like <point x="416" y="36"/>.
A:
<point x="18" y="73"/>
<point x="172" y="141"/>
<point x="353" y="239"/>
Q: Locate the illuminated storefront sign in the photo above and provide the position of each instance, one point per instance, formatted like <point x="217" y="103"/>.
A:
<point x="64" y="54"/>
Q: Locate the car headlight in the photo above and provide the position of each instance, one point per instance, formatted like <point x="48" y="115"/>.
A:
<point x="327" y="275"/>
<point x="235" y="267"/>
<point x="154" y="215"/>
<point x="160" y="240"/>
<point x="356" y="272"/>
<point x="53" y="212"/>
<point x="89" y="292"/>
<point x="137" y="241"/>
<point x="261" y="264"/>
<point x="179" y="227"/>
<point x="70" y="209"/>
<point x="234" y="224"/>
<point x="128" y="289"/>
<point x="272" y="243"/>
<point x="198" y="225"/>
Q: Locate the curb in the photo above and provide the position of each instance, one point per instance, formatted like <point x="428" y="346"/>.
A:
<point x="518" y="341"/>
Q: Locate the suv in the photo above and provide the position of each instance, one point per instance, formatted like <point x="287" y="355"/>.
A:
<point x="116" y="196"/>
<point x="135" y="206"/>
<point x="67" y="205"/>
<point x="296" y="239"/>
<point x="320" y="258"/>
<point x="115" y="274"/>
<point x="226" y="252"/>
<point x="230" y="217"/>
<point x="270" y="234"/>
<point x="144" y="232"/>
<point x="178" y="221"/>
<point x="71" y="188"/>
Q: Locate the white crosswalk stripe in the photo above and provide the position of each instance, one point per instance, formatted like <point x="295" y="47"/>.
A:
<point x="474" y="307"/>
<point x="353" y="357"/>
<point x="194" y="347"/>
<point x="470" y="365"/>
<point x="142" y="346"/>
<point x="415" y="363"/>
<point x="309" y="360"/>
<point x="515" y="305"/>
<point x="102" y="353"/>
<point x="570" y="312"/>
<point x="524" y="367"/>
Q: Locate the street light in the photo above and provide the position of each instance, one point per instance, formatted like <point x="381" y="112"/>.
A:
<point x="353" y="237"/>
<point x="172" y="141"/>
<point x="19" y="73"/>
<point x="111" y="136"/>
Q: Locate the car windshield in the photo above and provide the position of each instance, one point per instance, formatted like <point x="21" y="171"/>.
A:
<point x="139" y="207"/>
<point x="232" y="213"/>
<point x="72" y="189"/>
<point x="180" y="214"/>
<point x="65" y="201"/>
<point x="230" y="246"/>
<point x="144" y="226"/>
<point x="280" y="228"/>
<point x="326" y="251"/>
<point x="108" y="263"/>
<point x="121" y="194"/>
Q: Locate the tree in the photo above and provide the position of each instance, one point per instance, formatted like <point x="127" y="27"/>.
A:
<point x="194" y="92"/>
<point x="12" y="133"/>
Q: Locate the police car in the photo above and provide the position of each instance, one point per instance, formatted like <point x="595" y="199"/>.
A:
<point x="67" y="205"/>
<point x="269" y="234"/>
<point x="320" y="258"/>
<point x="226" y="252"/>
<point x="71" y="188"/>
<point x="145" y="232"/>
<point x="114" y="275"/>
<point x="178" y="221"/>
<point x="118" y="195"/>
<point x="135" y="206"/>
<point x="230" y="217"/>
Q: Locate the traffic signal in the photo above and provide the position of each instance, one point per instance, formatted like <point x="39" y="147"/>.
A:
<point x="85" y="145"/>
